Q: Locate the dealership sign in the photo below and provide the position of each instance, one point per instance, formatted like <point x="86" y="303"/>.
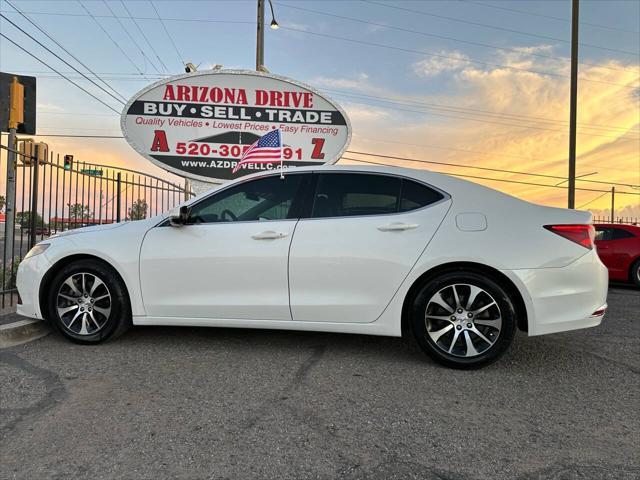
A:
<point x="199" y="125"/>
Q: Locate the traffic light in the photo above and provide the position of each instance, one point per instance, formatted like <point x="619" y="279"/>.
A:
<point x="68" y="162"/>
<point x="27" y="151"/>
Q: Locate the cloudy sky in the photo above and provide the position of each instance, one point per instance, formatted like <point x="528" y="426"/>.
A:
<point x="476" y="83"/>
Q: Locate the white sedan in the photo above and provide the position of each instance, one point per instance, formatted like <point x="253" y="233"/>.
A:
<point x="370" y="250"/>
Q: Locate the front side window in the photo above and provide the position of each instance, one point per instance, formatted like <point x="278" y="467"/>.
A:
<point x="270" y="198"/>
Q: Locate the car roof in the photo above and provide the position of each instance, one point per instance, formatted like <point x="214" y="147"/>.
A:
<point x="441" y="181"/>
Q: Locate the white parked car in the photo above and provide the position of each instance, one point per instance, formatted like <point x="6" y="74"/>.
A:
<point x="371" y="250"/>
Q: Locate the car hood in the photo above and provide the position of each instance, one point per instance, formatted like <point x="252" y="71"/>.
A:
<point x="91" y="229"/>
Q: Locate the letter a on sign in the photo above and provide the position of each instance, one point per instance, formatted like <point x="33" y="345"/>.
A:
<point x="160" y="143"/>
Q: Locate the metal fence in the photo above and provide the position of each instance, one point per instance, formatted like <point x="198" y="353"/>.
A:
<point x="53" y="195"/>
<point x="620" y="220"/>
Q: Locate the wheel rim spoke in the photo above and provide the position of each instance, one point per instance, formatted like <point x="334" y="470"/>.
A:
<point x="103" y="311"/>
<point x="444" y="318"/>
<point x="71" y="285"/>
<point x="437" y="299"/>
<point x="93" y="319"/>
<point x="482" y="309"/>
<point x="471" y="349"/>
<point x="438" y="333"/>
<point x="77" y="310"/>
<point x="473" y="294"/>
<point x="497" y="323"/>
<point x="454" y="340"/>
<point x="482" y="337"/>
<point x="75" y="317"/>
<point x="456" y="297"/>
<point x="65" y="310"/>
<point x="461" y="333"/>
<point x="96" y="283"/>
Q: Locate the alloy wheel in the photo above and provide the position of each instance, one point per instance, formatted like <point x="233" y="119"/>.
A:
<point x="83" y="303"/>
<point x="463" y="320"/>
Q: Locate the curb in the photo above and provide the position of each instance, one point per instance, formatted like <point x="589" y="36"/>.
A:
<point x="22" y="331"/>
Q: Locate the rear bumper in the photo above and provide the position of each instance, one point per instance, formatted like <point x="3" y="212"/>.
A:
<point x="565" y="298"/>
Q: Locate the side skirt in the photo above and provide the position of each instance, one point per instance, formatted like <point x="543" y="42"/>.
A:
<point x="375" y="328"/>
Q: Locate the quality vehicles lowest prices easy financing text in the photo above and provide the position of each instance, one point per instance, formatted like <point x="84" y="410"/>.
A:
<point x="370" y="250"/>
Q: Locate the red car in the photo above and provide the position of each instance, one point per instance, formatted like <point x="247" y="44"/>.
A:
<point x="619" y="249"/>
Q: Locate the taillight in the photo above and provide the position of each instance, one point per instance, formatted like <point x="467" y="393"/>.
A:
<point x="580" y="234"/>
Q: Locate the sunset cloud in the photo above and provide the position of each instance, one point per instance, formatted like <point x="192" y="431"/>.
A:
<point x="449" y="61"/>
<point x="511" y="119"/>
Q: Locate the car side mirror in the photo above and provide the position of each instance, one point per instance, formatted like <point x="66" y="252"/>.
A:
<point x="181" y="218"/>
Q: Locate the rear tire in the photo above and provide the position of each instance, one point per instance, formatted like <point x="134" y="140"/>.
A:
<point x="88" y="302"/>
<point x="635" y="273"/>
<point x="463" y="319"/>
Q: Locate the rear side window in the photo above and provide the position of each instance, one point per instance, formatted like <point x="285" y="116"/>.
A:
<point x="619" y="234"/>
<point x="415" y="195"/>
<point x="603" y="234"/>
<point x="354" y="194"/>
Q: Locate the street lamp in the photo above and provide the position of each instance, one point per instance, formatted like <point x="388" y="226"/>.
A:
<point x="260" y="33"/>
<point x="274" y="24"/>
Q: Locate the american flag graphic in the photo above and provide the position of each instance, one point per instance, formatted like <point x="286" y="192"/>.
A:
<point x="267" y="149"/>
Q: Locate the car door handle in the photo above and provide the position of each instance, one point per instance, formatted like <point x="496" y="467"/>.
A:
<point x="269" y="235"/>
<point x="397" y="227"/>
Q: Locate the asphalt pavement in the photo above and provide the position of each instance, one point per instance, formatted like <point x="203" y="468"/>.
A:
<point x="196" y="403"/>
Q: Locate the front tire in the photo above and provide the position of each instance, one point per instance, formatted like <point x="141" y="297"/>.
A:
<point x="463" y="319"/>
<point x="88" y="302"/>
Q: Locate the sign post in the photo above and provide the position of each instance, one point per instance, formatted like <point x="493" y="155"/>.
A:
<point x="199" y="125"/>
<point x="16" y="117"/>
<point x="19" y="93"/>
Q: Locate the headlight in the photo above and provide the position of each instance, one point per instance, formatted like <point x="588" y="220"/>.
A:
<point x="37" y="250"/>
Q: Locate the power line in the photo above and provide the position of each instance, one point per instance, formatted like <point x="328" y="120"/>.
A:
<point x="474" y="111"/>
<point x="126" y="30"/>
<point x="196" y="20"/>
<point x="566" y="20"/>
<point x="449" y="57"/>
<point x="489" y="169"/>
<point x="409" y="102"/>
<point x="167" y="32"/>
<point x="479" y="152"/>
<point x="65" y="50"/>
<point x="68" y="79"/>
<point x="144" y="36"/>
<point x="135" y="65"/>
<point x="62" y="59"/>
<point x="480" y="120"/>
<point x="418" y="32"/>
<point x="484" y="25"/>
<point x="593" y="200"/>
<point x="448" y="164"/>
<point x="494" y="179"/>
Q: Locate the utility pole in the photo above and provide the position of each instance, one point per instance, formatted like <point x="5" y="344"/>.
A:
<point x="575" y="7"/>
<point x="613" y="204"/>
<point x="260" y="36"/>
<point x="16" y="117"/>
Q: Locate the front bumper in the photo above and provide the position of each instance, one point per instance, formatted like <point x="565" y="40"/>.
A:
<point x="30" y="274"/>
<point x="565" y="298"/>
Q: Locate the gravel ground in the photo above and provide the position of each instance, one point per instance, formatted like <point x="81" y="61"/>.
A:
<point x="221" y="403"/>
